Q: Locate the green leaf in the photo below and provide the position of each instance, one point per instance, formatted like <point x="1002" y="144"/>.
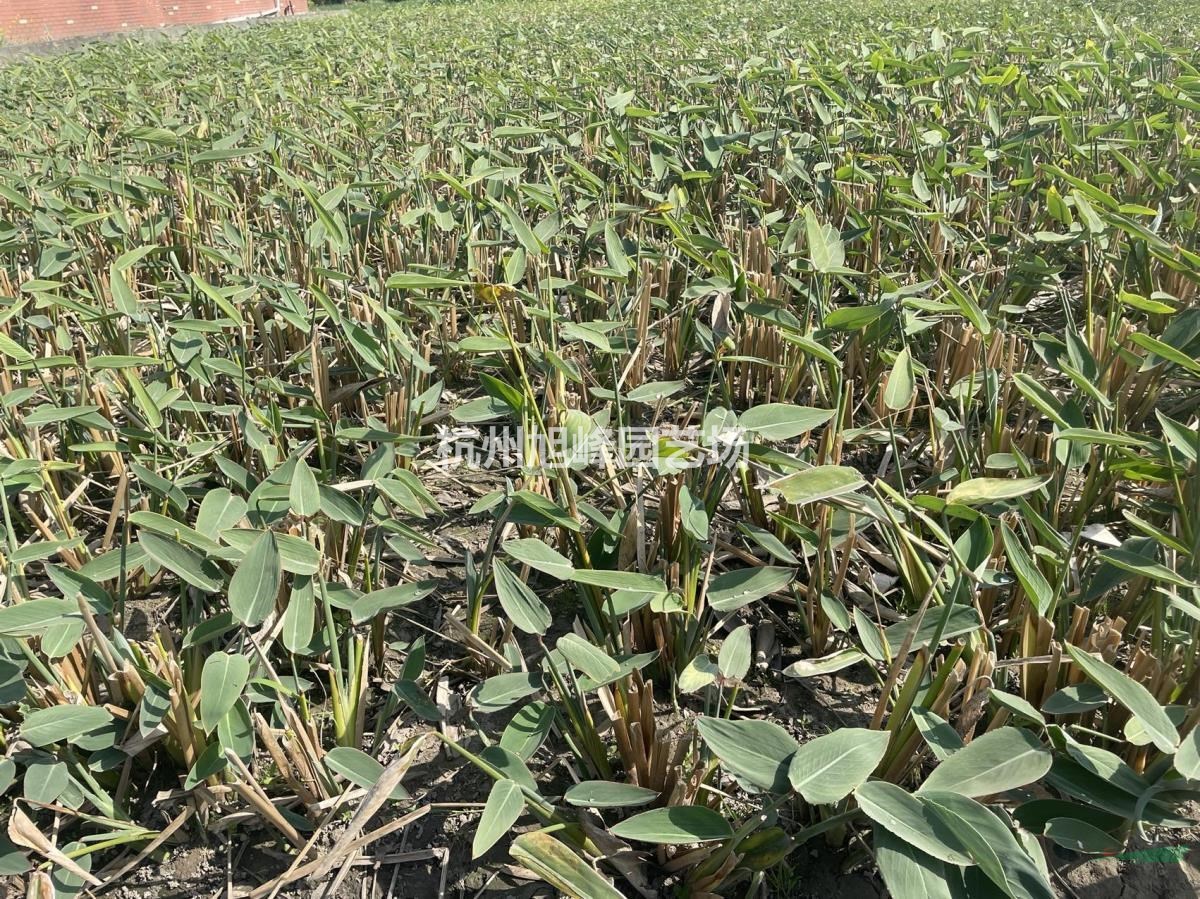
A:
<point x="901" y="383"/>
<point x="908" y="872"/>
<point x="528" y="730"/>
<point x="371" y="604"/>
<point x="180" y="560"/>
<point x="979" y="491"/>
<point x="502" y="690"/>
<point x="1018" y="706"/>
<point x="674" y="825"/>
<point x="1000" y="760"/>
<point x="941" y="738"/>
<point x="504" y="806"/>
<point x="697" y="674"/>
<point x="782" y="421"/>
<point x="358" y="768"/>
<point x="825" y="248"/>
<point x="904" y="815"/>
<point x="593" y="662"/>
<point x="1079" y="836"/>
<point x="212" y="761"/>
<point x="255" y="584"/>
<point x="991" y="844"/>
<point x="963" y="620"/>
<point x="1074" y="699"/>
<point x="758" y="752"/>
<point x="527" y="612"/>
<point x="540" y="557"/>
<point x="417" y="281"/>
<point x="734" y="658"/>
<point x="831" y="767"/>
<point x="1137" y="564"/>
<point x="415" y="698"/>
<point x="220" y="510"/>
<point x="829" y="664"/>
<point x="304" y="493"/>
<point x="820" y="483"/>
<point x="693" y="517"/>
<point x="32" y="617"/>
<point x="606" y="794"/>
<point x="337" y="506"/>
<point x="734" y="589"/>
<point x="1130" y="694"/>
<point x="619" y="580"/>
<point x="560" y="867"/>
<point x="1187" y="759"/>
<point x="59" y="723"/>
<point x="222" y="680"/>
<point x="1040" y="594"/>
<point x="300" y="615"/>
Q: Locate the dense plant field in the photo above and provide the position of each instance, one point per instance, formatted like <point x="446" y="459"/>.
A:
<point x="697" y="444"/>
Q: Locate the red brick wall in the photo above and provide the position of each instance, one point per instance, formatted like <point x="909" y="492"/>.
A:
<point x="22" y="21"/>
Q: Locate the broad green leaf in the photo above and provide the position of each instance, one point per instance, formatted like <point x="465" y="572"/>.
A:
<point x="606" y="794"/>
<point x="908" y="872"/>
<point x="558" y="865"/>
<point x="693" y="517"/>
<point x="1000" y="760"/>
<point x="734" y="589"/>
<point x="901" y="383"/>
<point x="358" y="768"/>
<point x="820" y="483"/>
<point x="619" y="580"/>
<point x="180" y="560"/>
<point x="1074" y="699"/>
<point x="1079" y="836"/>
<point x="304" y="492"/>
<point x="59" y="723"/>
<point x="674" y="825"/>
<point x="527" y="612"/>
<point x="1136" y="564"/>
<point x="222" y="680"/>
<point x="782" y="421"/>
<point x="593" y="662"/>
<point x="757" y="752"/>
<point x="941" y="738"/>
<point x="979" y="491"/>
<point x="300" y="615"/>
<point x="830" y="664"/>
<point x="825" y="248"/>
<point x="991" y="844"/>
<point x="211" y="762"/>
<point x="255" y="584"/>
<point x="220" y="510"/>
<point x="697" y="674"/>
<point x="1130" y="694"/>
<point x="832" y="766"/>
<point x="32" y="617"/>
<point x="502" y="690"/>
<point x="367" y="606"/>
<point x="902" y="814"/>
<point x="418" y="281"/>
<point x="734" y="658"/>
<point x="540" y="557"/>
<point x="504" y="806"/>
<point x="528" y="730"/>
<point x="963" y="620"/>
<point x="1030" y="578"/>
<point x="1187" y="759"/>
<point x="415" y="698"/>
